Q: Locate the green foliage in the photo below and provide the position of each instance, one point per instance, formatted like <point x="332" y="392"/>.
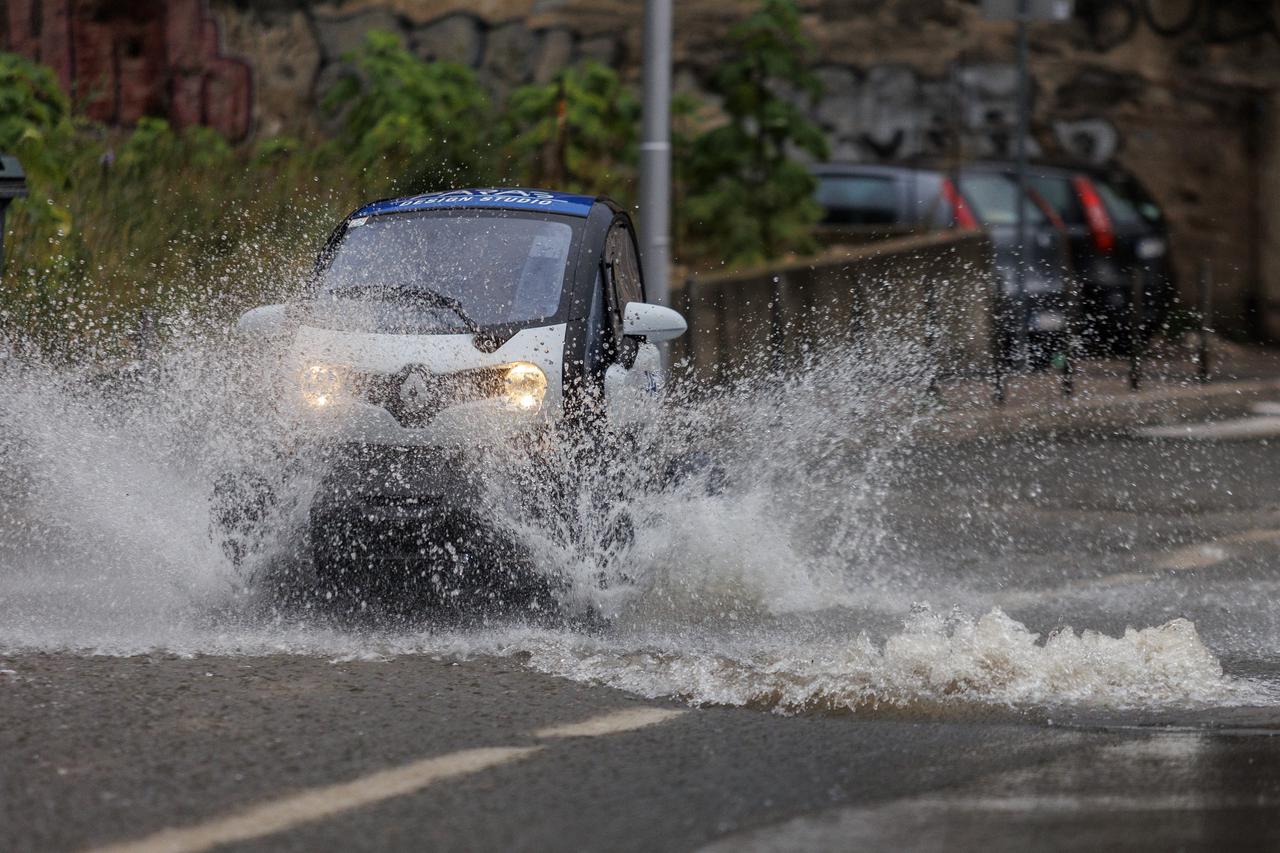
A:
<point x="413" y="126"/>
<point x="36" y="125"/>
<point x="576" y="133"/>
<point x="35" y="116"/>
<point x="151" y="219"/>
<point x="748" y="195"/>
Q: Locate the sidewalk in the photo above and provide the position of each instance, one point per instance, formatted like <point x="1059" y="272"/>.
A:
<point x="1169" y="393"/>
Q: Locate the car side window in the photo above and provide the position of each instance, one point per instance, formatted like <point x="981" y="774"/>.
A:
<point x="626" y="266"/>
<point x="622" y="285"/>
<point x="858" y="199"/>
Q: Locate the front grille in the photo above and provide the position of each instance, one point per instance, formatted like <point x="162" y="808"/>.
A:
<point x="414" y="395"/>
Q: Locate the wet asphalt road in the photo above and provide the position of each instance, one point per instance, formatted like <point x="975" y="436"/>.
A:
<point x="1096" y="531"/>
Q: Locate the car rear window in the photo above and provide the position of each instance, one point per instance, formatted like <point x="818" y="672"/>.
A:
<point x="1122" y="210"/>
<point x="1133" y="193"/>
<point x="994" y="198"/>
<point x="1059" y="194"/>
<point x="858" y="199"/>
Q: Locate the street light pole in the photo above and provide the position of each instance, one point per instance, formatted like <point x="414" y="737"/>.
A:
<point x="655" y="151"/>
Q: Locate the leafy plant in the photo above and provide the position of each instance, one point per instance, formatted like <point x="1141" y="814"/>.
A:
<point x="412" y="126"/>
<point x="154" y="219"/>
<point x="576" y="133"/>
<point x="749" y="195"/>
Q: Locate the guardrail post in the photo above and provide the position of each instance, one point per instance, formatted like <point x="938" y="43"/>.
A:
<point x="777" y="329"/>
<point x="1071" y="345"/>
<point x="930" y="332"/>
<point x="997" y="343"/>
<point x="687" y="339"/>
<point x="1137" y="299"/>
<point x="1206" y="320"/>
<point x="4" y="207"/>
<point x="858" y="306"/>
<point x="722" y="334"/>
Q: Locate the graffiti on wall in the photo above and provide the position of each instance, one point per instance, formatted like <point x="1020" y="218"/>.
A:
<point x="892" y="112"/>
<point x="124" y="59"/>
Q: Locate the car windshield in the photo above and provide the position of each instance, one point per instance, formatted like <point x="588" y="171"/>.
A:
<point x="447" y="270"/>
<point x="994" y="198"/>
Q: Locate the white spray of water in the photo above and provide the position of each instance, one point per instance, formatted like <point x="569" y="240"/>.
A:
<point x="744" y="584"/>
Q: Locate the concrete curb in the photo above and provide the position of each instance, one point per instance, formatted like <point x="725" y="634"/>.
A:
<point x="1105" y="413"/>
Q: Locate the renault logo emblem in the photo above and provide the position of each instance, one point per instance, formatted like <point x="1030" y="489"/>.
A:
<point x="415" y="391"/>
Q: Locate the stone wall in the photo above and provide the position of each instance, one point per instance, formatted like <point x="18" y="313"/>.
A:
<point x="1187" y="101"/>
<point x="125" y="60"/>
<point x="931" y="291"/>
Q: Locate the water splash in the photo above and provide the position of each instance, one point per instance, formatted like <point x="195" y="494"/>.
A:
<point x="756" y="574"/>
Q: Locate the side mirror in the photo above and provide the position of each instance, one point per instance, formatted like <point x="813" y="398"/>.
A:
<point x="653" y="322"/>
<point x="266" y="321"/>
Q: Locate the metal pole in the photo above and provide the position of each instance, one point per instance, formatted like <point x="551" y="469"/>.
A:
<point x="997" y="340"/>
<point x="1137" y="297"/>
<point x="655" y="150"/>
<point x="1020" y="148"/>
<point x="777" y="331"/>
<point x="1206" y="320"/>
<point x="1071" y="343"/>
<point x="4" y="208"/>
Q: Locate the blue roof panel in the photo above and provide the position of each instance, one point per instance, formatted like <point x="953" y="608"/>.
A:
<point x="543" y="201"/>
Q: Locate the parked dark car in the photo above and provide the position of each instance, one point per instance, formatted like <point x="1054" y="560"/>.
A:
<point x="1114" y="229"/>
<point x="863" y="198"/>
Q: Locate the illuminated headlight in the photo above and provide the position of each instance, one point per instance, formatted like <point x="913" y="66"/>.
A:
<point x="524" y="385"/>
<point x="321" y="384"/>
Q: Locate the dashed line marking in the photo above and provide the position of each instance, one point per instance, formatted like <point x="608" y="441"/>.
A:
<point x="1192" y="557"/>
<point x="622" y="721"/>
<point x="314" y="804"/>
<point x="1202" y="555"/>
<point x="1236" y="429"/>
<point x="317" y="803"/>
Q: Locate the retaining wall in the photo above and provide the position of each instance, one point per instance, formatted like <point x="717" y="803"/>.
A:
<point x="931" y="290"/>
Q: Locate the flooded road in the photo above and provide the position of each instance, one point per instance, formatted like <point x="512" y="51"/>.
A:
<point x="1072" y="637"/>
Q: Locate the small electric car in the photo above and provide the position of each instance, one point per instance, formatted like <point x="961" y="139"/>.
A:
<point x="440" y="329"/>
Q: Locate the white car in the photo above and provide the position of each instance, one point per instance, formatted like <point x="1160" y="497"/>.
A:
<point x="439" y="325"/>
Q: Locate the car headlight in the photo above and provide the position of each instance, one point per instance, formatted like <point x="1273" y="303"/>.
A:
<point x="321" y="384"/>
<point x="524" y="385"/>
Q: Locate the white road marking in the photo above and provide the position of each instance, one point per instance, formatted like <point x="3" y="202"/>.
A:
<point x="1192" y="557"/>
<point x="318" y="803"/>
<point x="1236" y="429"/>
<point x="1201" y="555"/>
<point x="622" y="721"/>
